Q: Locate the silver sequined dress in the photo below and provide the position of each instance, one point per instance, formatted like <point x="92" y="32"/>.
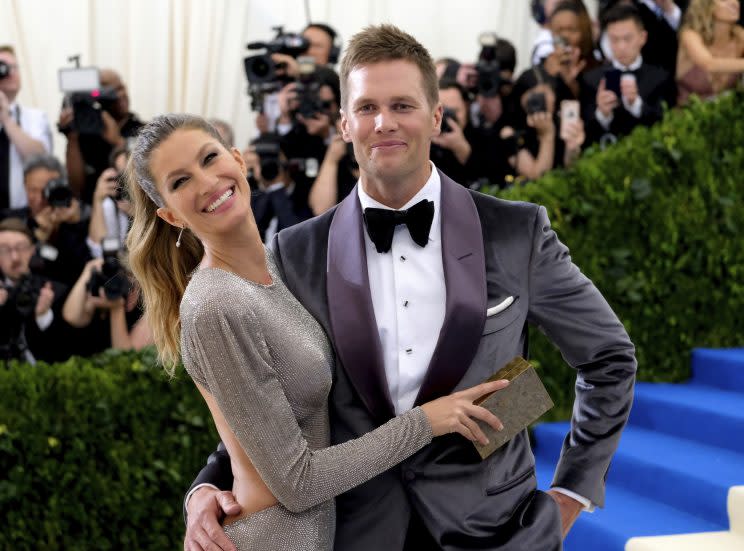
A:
<point x="267" y="362"/>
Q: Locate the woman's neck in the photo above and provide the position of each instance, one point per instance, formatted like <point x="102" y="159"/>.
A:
<point x="723" y="32"/>
<point x="241" y="253"/>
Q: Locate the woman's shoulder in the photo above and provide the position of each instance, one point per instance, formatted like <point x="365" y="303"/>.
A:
<point x="739" y="35"/>
<point x="211" y="293"/>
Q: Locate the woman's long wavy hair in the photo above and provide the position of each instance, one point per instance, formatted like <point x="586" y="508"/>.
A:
<point x="161" y="268"/>
<point x="699" y="18"/>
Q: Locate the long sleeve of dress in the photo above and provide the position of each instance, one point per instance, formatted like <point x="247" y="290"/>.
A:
<point x="224" y="349"/>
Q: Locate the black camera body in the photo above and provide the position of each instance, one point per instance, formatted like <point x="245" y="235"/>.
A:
<point x="22" y="297"/>
<point x="261" y="69"/>
<point x="15" y="313"/>
<point x="4" y="70"/>
<point x="112" y="277"/>
<point x="57" y="193"/>
<point x="536" y="103"/>
<point x="448" y="115"/>
<point x="87" y="108"/>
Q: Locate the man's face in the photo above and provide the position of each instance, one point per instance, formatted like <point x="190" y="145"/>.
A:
<point x="35" y="182"/>
<point x="451" y="99"/>
<point x="16" y="251"/>
<point x="109" y="79"/>
<point x="11" y="84"/>
<point x="626" y="40"/>
<point x="491" y="108"/>
<point x="389" y="120"/>
<point x="320" y="45"/>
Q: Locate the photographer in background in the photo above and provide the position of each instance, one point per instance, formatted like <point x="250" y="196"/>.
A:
<point x="274" y="202"/>
<point x="661" y="19"/>
<point x="103" y="306"/>
<point x="88" y="154"/>
<point x="542" y="141"/>
<point x="628" y="92"/>
<point x="31" y="327"/>
<point x="451" y="150"/>
<point x="23" y="132"/>
<point x="57" y="220"/>
<point x="337" y="176"/>
<point x="310" y="110"/>
<point x="111" y="211"/>
<point x="271" y="72"/>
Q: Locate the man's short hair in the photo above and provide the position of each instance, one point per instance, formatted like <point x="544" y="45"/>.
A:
<point x="388" y="43"/>
<point x="447" y="84"/>
<point x="16" y="225"/>
<point x="43" y="160"/>
<point x="622" y="12"/>
<point x="7" y="49"/>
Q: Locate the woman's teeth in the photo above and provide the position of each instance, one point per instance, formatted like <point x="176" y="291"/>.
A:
<point x="222" y="198"/>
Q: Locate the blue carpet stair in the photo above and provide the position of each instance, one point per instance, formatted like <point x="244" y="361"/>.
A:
<point x="681" y="451"/>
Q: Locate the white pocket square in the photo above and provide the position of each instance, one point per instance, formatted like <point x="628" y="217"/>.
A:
<point x="500" y="307"/>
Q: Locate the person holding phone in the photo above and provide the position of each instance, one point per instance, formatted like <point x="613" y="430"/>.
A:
<point x="628" y="92"/>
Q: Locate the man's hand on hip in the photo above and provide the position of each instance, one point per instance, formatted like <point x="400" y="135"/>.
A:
<point x="204" y="510"/>
<point x="569" y="508"/>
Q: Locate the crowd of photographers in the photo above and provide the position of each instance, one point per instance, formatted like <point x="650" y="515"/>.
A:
<point x="64" y="288"/>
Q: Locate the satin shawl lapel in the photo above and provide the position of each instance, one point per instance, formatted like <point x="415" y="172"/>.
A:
<point x="351" y="313"/>
<point x="465" y="281"/>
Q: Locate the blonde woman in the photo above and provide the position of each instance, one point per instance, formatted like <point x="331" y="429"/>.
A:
<point x="214" y="297"/>
<point x="711" y="49"/>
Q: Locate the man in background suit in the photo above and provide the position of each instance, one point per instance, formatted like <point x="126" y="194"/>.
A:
<point x="401" y="275"/>
<point x="629" y="92"/>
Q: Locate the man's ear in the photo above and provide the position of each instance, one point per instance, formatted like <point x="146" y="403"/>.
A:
<point x="644" y="38"/>
<point x="166" y="214"/>
<point x="345" y="127"/>
<point x="438" y="114"/>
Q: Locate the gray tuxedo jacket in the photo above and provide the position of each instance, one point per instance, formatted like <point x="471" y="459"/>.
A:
<point x="492" y="249"/>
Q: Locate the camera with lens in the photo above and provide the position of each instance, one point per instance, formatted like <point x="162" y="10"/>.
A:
<point x="112" y="277"/>
<point x="4" y="70"/>
<point x="83" y="92"/>
<point x="57" y="193"/>
<point x="263" y="74"/>
<point x="16" y="312"/>
<point x="268" y="155"/>
<point x="488" y="66"/>
<point x="308" y="90"/>
<point x="536" y="103"/>
<point x="22" y="297"/>
<point x="448" y="115"/>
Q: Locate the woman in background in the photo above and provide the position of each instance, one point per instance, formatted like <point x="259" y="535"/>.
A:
<point x="711" y="49"/>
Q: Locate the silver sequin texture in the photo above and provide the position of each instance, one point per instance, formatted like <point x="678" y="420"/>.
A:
<point x="267" y="362"/>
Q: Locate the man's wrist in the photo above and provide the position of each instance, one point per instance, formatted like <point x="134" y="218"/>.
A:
<point x="194" y="490"/>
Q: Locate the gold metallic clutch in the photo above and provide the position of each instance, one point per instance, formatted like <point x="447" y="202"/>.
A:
<point x="517" y="405"/>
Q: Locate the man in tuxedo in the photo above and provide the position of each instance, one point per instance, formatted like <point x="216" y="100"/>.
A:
<point x="403" y="275"/>
<point x="628" y="92"/>
<point x="661" y="18"/>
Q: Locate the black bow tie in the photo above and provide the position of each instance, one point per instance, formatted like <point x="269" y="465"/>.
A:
<point x="381" y="224"/>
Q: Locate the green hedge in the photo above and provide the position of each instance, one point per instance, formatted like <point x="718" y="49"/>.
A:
<point x="97" y="453"/>
<point x="655" y="221"/>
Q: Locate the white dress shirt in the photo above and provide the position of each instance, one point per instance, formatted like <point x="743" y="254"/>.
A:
<point x="408" y="296"/>
<point x="34" y="123"/>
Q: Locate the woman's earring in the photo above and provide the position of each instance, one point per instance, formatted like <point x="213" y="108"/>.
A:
<point x="178" y="241"/>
